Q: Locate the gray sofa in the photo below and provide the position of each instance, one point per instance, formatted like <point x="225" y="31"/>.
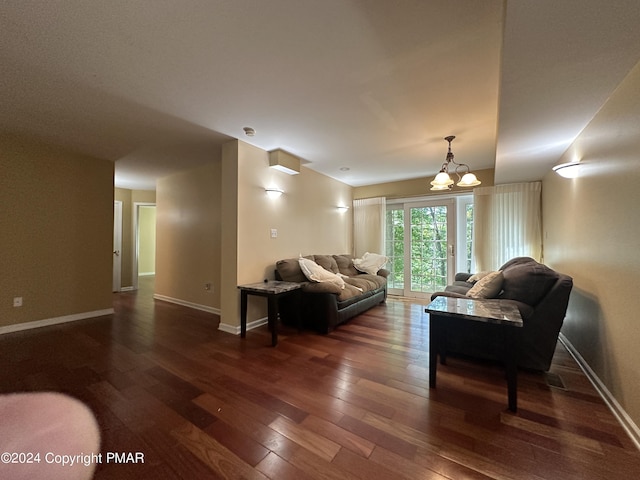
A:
<point x="323" y="306"/>
<point x="541" y="295"/>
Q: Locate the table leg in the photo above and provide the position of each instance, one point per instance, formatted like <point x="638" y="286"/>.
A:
<point x="433" y="351"/>
<point x="243" y="314"/>
<point x="273" y="318"/>
<point x="511" y="365"/>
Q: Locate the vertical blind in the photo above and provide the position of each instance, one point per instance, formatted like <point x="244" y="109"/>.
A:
<point x="369" y="225"/>
<point x="507" y="223"/>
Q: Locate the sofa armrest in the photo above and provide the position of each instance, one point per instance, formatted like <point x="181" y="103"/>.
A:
<point x="383" y="272"/>
<point x="448" y="294"/>
<point x="463" y="276"/>
<point x="526" y="311"/>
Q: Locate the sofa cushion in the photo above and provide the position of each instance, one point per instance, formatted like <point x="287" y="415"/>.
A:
<point x="324" y="287"/>
<point x="527" y="282"/>
<point x="349" y="292"/>
<point x="290" y="271"/>
<point x="327" y="262"/>
<point x="315" y="273"/>
<point x="363" y="284"/>
<point x="489" y="286"/>
<point x="345" y="265"/>
<point x="377" y="280"/>
<point x="370" y="263"/>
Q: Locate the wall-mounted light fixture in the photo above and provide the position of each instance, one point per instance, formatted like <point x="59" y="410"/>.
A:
<point x="343" y="208"/>
<point x="284" y="161"/>
<point x="443" y="181"/>
<point x="273" y="192"/>
<point x="568" y="170"/>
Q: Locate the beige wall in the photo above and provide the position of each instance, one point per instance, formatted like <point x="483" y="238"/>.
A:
<point x="188" y="236"/>
<point x="146" y="240"/>
<point x="305" y="216"/>
<point x="56" y="231"/>
<point x="592" y="232"/>
<point x="417" y="187"/>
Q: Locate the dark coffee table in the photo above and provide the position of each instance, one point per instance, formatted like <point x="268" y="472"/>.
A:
<point x="446" y="313"/>
<point x="273" y="290"/>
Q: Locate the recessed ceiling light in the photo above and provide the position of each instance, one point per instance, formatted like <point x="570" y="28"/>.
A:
<point x="344" y="169"/>
<point x="249" y="132"/>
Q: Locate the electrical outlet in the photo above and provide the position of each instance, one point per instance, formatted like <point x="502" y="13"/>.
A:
<point x="274" y="233"/>
<point x="17" y="301"/>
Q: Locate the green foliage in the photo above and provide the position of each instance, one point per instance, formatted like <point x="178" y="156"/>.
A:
<point x="428" y="255"/>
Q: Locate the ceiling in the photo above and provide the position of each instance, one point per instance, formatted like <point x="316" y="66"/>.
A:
<point x="369" y="86"/>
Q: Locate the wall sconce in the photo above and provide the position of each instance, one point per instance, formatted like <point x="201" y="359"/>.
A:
<point x="343" y="209"/>
<point x="273" y="192"/>
<point x="568" y="170"/>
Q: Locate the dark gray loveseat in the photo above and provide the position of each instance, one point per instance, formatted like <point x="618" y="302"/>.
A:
<point x="541" y="295"/>
<point x="323" y="306"/>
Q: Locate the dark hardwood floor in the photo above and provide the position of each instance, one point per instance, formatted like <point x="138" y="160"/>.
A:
<point x="354" y="404"/>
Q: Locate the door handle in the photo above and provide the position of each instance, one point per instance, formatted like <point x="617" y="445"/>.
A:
<point x="116" y="253"/>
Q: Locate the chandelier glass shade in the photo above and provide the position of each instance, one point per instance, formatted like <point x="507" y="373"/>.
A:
<point x="443" y="180"/>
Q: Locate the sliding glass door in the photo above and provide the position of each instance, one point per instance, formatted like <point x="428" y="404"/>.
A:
<point x="420" y="239"/>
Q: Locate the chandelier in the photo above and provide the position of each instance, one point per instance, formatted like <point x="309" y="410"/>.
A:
<point x="443" y="181"/>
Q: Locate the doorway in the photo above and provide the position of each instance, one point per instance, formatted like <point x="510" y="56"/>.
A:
<point x="144" y="233"/>
<point x="427" y="241"/>
<point x="117" y="246"/>
<point x="420" y="246"/>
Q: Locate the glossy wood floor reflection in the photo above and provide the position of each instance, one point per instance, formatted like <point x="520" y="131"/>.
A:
<point x="354" y="404"/>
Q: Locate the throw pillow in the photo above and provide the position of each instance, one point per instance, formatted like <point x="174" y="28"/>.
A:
<point x="488" y="286"/>
<point x="370" y="263"/>
<point x="315" y="273"/>
<point x="477" y="276"/>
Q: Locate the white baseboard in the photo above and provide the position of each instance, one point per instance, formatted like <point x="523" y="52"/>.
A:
<point x="235" y="329"/>
<point x="54" y="321"/>
<point x="126" y="289"/>
<point x="146" y="274"/>
<point x="184" y="303"/>
<point x="625" y="420"/>
<point x="224" y="327"/>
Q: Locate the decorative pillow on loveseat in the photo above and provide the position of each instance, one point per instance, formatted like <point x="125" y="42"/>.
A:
<point x="489" y="286"/>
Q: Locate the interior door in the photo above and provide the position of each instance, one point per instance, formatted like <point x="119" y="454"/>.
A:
<point x="117" y="245"/>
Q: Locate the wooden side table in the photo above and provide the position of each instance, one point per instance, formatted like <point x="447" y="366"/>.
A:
<point x="273" y="290"/>
<point x="448" y="312"/>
